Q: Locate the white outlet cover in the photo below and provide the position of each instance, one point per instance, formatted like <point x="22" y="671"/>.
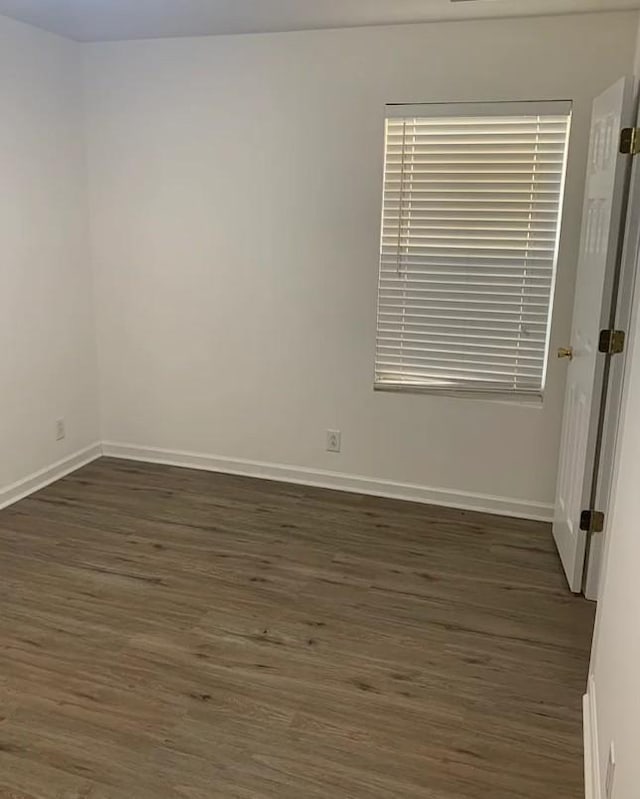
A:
<point x="334" y="441"/>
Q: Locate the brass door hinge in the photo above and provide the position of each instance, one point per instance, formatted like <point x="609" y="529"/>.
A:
<point x="611" y="342"/>
<point x="630" y="141"/>
<point x="592" y="521"/>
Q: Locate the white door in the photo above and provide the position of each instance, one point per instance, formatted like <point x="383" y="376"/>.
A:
<point x="605" y="199"/>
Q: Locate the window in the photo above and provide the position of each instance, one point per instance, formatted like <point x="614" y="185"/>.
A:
<point x="470" y="229"/>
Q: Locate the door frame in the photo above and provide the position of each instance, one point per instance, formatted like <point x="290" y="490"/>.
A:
<point x="625" y="303"/>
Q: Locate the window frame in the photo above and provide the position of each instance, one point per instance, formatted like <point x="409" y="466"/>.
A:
<point x="491" y="110"/>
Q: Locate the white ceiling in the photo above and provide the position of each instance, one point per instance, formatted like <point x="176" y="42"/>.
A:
<point x="100" y="20"/>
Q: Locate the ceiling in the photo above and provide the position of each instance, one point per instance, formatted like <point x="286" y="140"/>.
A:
<point x="102" y="20"/>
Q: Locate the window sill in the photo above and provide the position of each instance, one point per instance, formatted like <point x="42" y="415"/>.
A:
<point x="533" y="399"/>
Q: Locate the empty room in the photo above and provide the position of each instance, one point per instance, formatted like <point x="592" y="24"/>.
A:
<point x="319" y="399"/>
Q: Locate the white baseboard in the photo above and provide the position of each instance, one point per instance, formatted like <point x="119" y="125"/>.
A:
<point x="591" y="754"/>
<point x="483" y="503"/>
<point x="37" y="480"/>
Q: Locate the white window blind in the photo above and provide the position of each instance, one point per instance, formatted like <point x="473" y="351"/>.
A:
<point x="470" y="229"/>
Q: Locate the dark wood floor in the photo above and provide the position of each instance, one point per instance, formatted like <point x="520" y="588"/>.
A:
<point x="166" y="633"/>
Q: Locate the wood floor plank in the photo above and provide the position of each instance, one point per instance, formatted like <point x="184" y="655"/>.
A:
<point x="174" y="634"/>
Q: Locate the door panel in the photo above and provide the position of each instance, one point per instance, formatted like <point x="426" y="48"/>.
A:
<point x="569" y="503"/>
<point x="601" y="229"/>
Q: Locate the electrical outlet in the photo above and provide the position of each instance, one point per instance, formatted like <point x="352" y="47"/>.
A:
<point x="61" y="431"/>
<point x="611" y="771"/>
<point x="334" y="441"/>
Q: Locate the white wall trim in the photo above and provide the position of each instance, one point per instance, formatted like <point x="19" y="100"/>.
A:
<point x="301" y="475"/>
<point x="34" y="482"/>
<point x="591" y="754"/>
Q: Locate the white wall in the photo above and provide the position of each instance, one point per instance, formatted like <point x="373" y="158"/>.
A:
<point x="235" y="188"/>
<point x="47" y="339"/>
<point x="614" y="692"/>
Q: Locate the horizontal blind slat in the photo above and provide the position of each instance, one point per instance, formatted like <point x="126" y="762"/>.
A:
<point x="452" y="351"/>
